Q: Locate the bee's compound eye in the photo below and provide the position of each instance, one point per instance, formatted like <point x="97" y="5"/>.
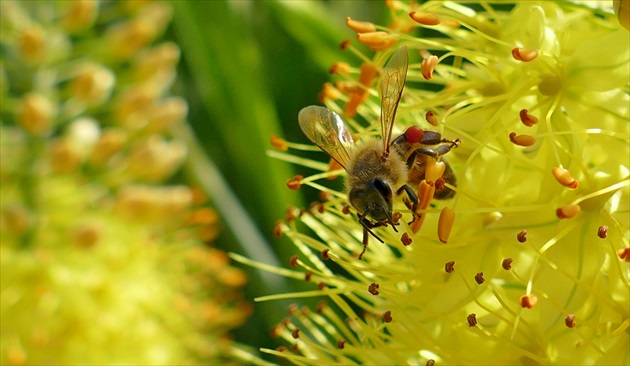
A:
<point x="383" y="188"/>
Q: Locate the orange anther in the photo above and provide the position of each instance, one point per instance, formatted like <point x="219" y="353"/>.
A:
<point x="360" y="27"/>
<point x="428" y="66"/>
<point x="406" y="239"/>
<point x="340" y="68"/>
<point x="624" y="254"/>
<point x="523" y="54"/>
<point x="602" y="232"/>
<point x="278" y="228"/>
<point x="377" y="40"/>
<point x="278" y="142"/>
<point x="432" y="118"/>
<point x="424" y="18"/>
<point x="522" y="140"/>
<point x="434" y="170"/>
<point x="445" y="224"/>
<point x="564" y="177"/>
<point x="528" y="301"/>
<point x="527" y="119"/>
<point x="295" y="182"/>
<point x="568" y="211"/>
<point x="426" y="191"/>
<point x="449" y="266"/>
<point x="328" y="92"/>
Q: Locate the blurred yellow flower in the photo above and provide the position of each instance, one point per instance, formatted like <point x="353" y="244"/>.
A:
<point x="103" y="259"/>
<point x="534" y="268"/>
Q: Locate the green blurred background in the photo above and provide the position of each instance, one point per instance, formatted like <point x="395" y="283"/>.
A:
<point x="247" y="68"/>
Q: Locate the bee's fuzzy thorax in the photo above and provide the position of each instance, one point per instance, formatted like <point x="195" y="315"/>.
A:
<point x="366" y="164"/>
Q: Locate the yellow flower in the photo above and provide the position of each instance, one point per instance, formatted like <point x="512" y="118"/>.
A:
<point x="528" y="262"/>
<point x="103" y="259"/>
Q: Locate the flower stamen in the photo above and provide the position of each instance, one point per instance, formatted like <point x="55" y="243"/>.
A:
<point x="524" y="55"/>
<point x="432" y="118"/>
<point x="602" y="231"/>
<point x="568" y="211"/>
<point x="527" y="119"/>
<point x="564" y="177"/>
<point x="424" y="18"/>
<point x="449" y="267"/>
<point x="359" y="26"/>
<point x="528" y="301"/>
<point x="445" y="223"/>
<point x="278" y="142"/>
<point x="522" y="140"/>
<point x="295" y="183"/>
<point x="373" y="288"/>
<point x="428" y="66"/>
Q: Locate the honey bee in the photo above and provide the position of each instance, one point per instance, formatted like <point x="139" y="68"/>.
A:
<point x="378" y="168"/>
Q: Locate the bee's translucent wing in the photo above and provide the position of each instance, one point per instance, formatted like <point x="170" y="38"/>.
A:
<point x="392" y="83"/>
<point x="326" y="129"/>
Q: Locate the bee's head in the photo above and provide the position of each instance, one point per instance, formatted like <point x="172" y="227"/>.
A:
<point x="373" y="199"/>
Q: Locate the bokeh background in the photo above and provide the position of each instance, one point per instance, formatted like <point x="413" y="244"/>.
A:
<point x="247" y="69"/>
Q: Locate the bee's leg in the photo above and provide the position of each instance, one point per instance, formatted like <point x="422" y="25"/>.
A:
<point x="413" y="197"/>
<point x="434" y="138"/>
<point x="411" y="194"/>
<point x="433" y="152"/>
<point x="366" y="237"/>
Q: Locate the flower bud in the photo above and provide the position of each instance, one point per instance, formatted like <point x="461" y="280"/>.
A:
<point x="16" y="218"/>
<point x="109" y="143"/>
<point x="168" y="113"/>
<point x="93" y="84"/>
<point x="131" y="108"/>
<point x="32" y="44"/>
<point x="35" y="113"/>
<point x="161" y="59"/>
<point x="80" y="15"/>
<point x="64" y="156"/>
<point x="155" y="159"/>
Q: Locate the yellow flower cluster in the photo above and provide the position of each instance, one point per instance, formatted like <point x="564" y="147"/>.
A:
<point x="103" y="260"/>
<point x="528" y="263"/>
